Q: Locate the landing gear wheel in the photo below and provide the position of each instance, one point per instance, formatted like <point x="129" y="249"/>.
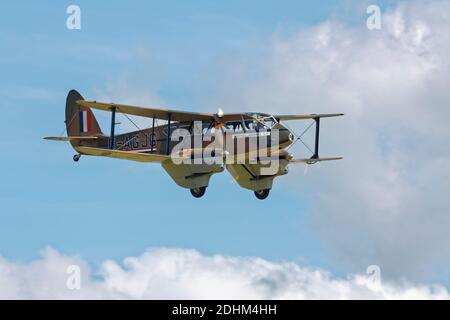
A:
<point x="76" y="157"/>
<point x="198" y="192"/>
<point x="262" y="194"/>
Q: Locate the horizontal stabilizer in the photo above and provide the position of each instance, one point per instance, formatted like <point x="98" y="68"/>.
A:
<point x="125" y="155"/>
<point x="285" y="117"/>
<point x="70" y="138"/>
<point x="314" y="160"/>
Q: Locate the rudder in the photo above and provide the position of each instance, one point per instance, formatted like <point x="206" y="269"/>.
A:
<point x="80" y="120"/>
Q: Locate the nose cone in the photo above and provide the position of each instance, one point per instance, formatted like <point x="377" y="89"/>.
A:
<point x="286" y="138"/>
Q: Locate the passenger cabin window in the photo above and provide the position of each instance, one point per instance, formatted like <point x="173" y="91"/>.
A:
<point x="173" y="127"/>
<point x="234" y="126"/>
<point x="176" y="125"/>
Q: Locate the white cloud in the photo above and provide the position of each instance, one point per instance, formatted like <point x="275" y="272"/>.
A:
<point x="387" y="202"/>
<point x="187" y="274"/>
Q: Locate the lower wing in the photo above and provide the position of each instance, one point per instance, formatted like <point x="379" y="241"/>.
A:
<point x="125" y="155"/>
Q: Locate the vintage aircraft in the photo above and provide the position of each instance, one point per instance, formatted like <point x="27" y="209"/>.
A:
<point x="155" y="144"/>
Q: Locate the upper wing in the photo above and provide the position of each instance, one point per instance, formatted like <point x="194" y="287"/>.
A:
<point x="163" y="114"/>
<point x="126" y="155"/>
<point x="285" y="117"/>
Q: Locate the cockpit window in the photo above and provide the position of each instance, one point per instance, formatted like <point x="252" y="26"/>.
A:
<point x="260" y="122"/>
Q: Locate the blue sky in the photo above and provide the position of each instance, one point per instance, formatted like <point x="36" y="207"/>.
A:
<point x="103" y="208"/>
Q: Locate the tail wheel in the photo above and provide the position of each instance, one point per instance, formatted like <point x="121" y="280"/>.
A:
<point x="262" y="194"/>
<point x="198" y="192"/>
<point x="76" y="157"/>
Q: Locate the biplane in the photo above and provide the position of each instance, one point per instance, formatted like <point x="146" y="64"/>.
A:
<point x="155" y="145"/>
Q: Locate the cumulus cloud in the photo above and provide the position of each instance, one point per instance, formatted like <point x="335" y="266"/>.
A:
<point x="187" y="274"/>
<point x="387" y="201"/>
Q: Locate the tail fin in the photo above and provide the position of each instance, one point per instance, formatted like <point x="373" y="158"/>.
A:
<point x="80" y="121"/>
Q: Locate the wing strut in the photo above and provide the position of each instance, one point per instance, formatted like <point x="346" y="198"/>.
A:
<point x="113" y="125"/>
<point x="316" y="146"/>
<point x="168" y="135"/>
<point x="152" y="140"/>
<point x="315" y="157"/>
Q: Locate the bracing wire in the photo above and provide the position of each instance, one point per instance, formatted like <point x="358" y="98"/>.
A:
<point x="299" y="137"/>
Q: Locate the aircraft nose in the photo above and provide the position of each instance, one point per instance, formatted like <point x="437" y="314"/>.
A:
<point x="286" y="137"/>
